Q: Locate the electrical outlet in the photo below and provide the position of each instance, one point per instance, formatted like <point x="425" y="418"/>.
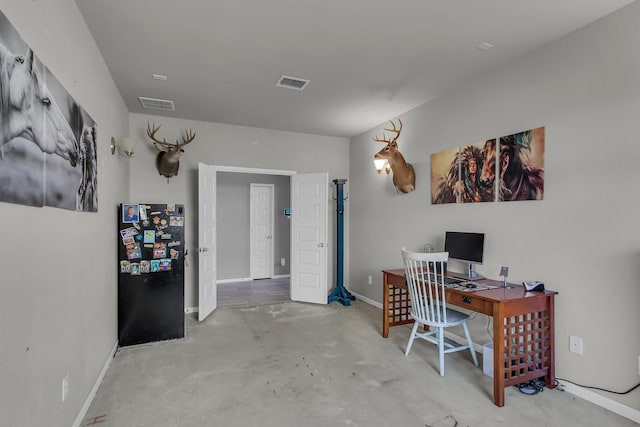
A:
<point x="65" y="387"/>
<point x="370" y="280"/>
<point x="575" y="344"/>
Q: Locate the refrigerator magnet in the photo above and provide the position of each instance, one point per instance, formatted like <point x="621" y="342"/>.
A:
<point x="129" y="240"/>
<point x="149" y="236"/>
<point x="125" y="267"/>
<point x="174" y="254"/>
<point x="159" y="250"/>
<point x="165" y="236"/>
<point x="176" y="221"/>
<point x="165" y="264"/>
<point x="135" y="269"/>
<point x="134" y="252"/>
<point x="156" y="220"/>
<point x="131" y="231"/>
<point x="143" y="213"/>
<point x="171" y="207"/>
<point x="145" y="266"/>
<point x="174" y="243"/>
<point x="155" y="265"/>
<point x="130" y="213"/>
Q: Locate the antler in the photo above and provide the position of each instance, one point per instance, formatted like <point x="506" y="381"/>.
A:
<point x="396" y="131"/>
<point x="151" y="133"/>
<point x="189" y="136"/>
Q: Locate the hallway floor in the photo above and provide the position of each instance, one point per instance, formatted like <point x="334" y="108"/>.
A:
<point x="253" y="292"/>
<point x="295" y="364"/>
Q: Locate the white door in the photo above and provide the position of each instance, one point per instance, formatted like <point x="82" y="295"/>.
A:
<point x="309" y="214"/>
<point x="261" y="231"/>
<point x="207" y="291"/>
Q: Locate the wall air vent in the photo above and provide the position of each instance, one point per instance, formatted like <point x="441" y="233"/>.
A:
<point x="157" y="104"/>
<point x="292" y="83"/>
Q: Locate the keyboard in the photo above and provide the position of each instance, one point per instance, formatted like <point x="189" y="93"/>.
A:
<point x="461" y="284"/>
<point x="469" y="286"/>
<point x="451" y="281"/>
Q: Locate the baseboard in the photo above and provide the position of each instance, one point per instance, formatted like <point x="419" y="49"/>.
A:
<point x="367" y="300"/>
<point x="281" y="276"/>
<point x="94" y="390"/>
<point x="605" y="402"/>
<point x="241" y="279"/>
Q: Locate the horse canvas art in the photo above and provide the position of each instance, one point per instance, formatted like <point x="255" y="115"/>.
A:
<point x="47" y="141"/>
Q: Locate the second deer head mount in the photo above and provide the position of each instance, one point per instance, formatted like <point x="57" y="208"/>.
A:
<point x="168" y="159"/>
<point x="404" y="177"/>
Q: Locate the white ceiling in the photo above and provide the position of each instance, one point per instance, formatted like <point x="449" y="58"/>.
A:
<point x="368" y="60"/>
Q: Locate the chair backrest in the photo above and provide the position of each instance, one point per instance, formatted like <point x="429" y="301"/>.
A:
<point x="426" y="288"/>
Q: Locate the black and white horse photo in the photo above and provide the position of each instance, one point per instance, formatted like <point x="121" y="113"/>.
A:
<point x="47" y="142"/>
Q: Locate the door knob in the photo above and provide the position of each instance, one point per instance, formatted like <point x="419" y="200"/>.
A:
<point x="321" y="245"/>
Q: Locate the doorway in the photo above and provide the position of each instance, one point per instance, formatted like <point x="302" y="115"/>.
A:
<point x="306" y="250"/>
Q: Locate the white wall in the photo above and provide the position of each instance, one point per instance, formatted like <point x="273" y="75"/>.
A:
<point x="228" y="145"/>
<point x="581" y="240"/>
<point x="58" y="285"/>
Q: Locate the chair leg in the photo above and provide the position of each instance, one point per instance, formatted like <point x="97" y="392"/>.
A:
<point x="411" y="338"/>
<point x="470" y="343"/>
<point x="441" y="350"/>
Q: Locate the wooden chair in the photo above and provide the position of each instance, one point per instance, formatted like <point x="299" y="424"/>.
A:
<point x="429" y="305"/>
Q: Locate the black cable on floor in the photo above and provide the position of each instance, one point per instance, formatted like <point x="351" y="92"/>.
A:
<point x="531" y="387"/>
<point x="598" y="388"/>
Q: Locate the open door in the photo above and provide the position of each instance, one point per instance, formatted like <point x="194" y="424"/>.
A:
<point x="207" y="290"/>
<point x="309" y="215"/>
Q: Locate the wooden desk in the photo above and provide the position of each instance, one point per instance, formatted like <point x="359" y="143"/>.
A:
<point x="523" y="326"/>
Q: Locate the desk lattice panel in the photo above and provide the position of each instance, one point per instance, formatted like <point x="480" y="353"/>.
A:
<point x="527" y="344"/>
<point x="399" y="305"/>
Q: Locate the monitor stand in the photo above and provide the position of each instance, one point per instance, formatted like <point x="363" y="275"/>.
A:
<point x="473" y="274"/>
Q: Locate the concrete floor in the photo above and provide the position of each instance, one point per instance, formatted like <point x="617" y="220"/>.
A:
<point x="294" y="364"/>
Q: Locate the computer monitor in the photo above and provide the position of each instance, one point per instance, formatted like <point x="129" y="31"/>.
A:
<point x="465" y="247"/>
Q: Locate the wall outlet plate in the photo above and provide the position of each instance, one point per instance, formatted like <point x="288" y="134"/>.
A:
<point x="575" y="344"/>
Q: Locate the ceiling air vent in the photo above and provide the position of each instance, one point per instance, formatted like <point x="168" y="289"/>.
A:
<point x="157" y="104"/>
<point x="292" y="82"/>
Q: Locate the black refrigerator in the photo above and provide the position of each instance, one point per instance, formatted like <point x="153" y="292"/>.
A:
<point x="151" y="272"/>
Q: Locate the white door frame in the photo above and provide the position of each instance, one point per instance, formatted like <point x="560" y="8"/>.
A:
<point x="218" y="168"/>
<point x="261" y="242"/>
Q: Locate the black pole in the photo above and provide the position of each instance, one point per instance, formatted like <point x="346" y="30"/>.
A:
<point x="340" y="293"/>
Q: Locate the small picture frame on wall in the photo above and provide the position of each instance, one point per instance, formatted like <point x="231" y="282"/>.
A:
<point x="130" y="212"/>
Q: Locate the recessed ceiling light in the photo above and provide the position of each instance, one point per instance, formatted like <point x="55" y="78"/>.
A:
<point x="159" y="77"/>
<point x="484" y="46"/>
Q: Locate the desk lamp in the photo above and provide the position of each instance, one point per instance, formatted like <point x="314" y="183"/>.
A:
<point x="504" y="272"/>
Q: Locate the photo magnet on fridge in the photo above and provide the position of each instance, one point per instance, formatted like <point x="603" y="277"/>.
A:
<point x="149" y="236"/>
<point x="125" y="267"/>
<point x="135" y="268"/>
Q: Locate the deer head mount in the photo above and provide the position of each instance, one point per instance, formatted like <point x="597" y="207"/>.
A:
<point x="168" y="159"/>
<point x="404" y="177"/>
